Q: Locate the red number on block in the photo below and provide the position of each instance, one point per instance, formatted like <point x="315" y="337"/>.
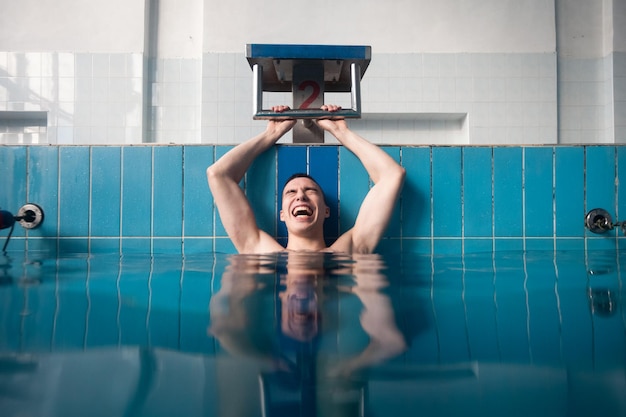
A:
<point x="314" y="94"/>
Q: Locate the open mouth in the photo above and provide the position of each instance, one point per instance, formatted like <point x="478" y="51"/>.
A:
<point x="302" y="211"/>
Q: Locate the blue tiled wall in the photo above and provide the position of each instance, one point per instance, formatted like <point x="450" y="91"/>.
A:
<point x="140" y="199"/>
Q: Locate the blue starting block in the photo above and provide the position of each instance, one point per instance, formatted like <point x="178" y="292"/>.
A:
<point x="308" y="71"/>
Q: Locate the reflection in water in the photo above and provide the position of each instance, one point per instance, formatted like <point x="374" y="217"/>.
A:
<point x="295" y="346"/>
<point x="603" y="301"/>
<point x="508" y="333"/>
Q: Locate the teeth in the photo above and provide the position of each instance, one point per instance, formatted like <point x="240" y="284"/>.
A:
<point x="302" y="211"/>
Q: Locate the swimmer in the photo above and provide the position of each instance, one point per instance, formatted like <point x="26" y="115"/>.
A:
<point x="304" y="208"/>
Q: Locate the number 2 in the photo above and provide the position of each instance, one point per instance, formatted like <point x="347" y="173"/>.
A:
<point x="314" y="94"/>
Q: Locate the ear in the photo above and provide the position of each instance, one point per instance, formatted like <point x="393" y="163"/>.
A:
<point x="282" y="216"/>
<point x="327" y="212"/>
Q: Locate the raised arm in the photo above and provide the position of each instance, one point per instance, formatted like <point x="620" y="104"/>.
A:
<point x="377" y="207"/>
<point x="233" y="206"/>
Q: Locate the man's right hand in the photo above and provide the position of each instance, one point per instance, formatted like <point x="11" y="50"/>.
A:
<point x="278" y="127"/>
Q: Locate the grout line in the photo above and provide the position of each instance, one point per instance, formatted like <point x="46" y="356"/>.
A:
<point x="432" y="305"/>
<point x="182" y="200"/>
<point x="59" y="167"/>
<point x="558" y="303"/>
<point x="615" y="192"/>
<point x="494" y="280"/>
<point x="181" y="283"/>
<point x="432" y="205"/>
<point x="152" y="200"/>
<point x="585" y="240"/>
<point x="27" y="196"/>
<point x="213" y="208"/>
<point x="89" y="202"/>
<point x="399" y="203"/>
<point x="527" y="305"/>
<point x="308" y="160"/>
<point x="149" y="306"/>
<point x="464" y="301"/>
<point x="57" y="302"/>
<point x="493" y="202"/>
<point x="120" y="302"/>
<point x="88" y="299"/>
<point x="554" y="217"/>
<point x="462" y="191"/>
<point x="121" y="228"/>
<point x="523" y="149"/>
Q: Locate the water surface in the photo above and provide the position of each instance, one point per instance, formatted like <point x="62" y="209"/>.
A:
<point x="509" y="333"/>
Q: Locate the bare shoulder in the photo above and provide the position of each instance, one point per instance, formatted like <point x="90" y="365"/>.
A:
<point x="343" y="243"/>
<point x="265" y="244"/>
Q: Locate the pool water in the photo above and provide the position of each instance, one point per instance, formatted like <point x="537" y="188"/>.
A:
<point x="490" y="334"/>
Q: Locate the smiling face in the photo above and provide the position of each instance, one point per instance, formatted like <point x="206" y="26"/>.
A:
<point x="299" y="307"/>
<point x="303" y="205"/>
<point x="300" y="303"/>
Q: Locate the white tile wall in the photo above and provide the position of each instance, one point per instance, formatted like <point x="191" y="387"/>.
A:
<point x="407" y="98"/>
<point x="586" y="100"/>
<point x="89" y="98"/>
<point x="619" y="96"/>
<point x="503" y="96"/>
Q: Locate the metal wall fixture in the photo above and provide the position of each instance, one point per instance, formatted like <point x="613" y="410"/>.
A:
<point x="29" y="216"/>
<point x="599" y="221"/>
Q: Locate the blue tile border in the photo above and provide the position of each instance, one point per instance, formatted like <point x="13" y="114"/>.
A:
<point x="447" y="192"/>
<point x="106" y="186"/>
<point x="324" y="166"/>
<point x="167" y="186"/>
<point x="198" y="205"/>
<point x="43" y="187"/>
<point x="507" y="192"/>
<point x="13" y="180"/>
<point x="136" y="191"/>
<point x="154" y="198"/>
<point x="538" y="192"/>
<point x="416" y="198"/>
<point x="477" y="192"/>
<point x="569" y="189"/>
<point x="74" y="191"/>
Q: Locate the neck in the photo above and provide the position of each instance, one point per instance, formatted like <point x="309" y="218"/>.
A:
<point x="298" y="243"/>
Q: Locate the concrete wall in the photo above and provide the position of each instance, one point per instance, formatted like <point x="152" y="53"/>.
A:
<point x="72" y="26"/>
<point x="418" y="26"/>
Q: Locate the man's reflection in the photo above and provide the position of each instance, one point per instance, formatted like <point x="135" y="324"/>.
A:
<point x="267" y="305"/>
<point x="299" y="306"/>
<point x="305" y="279"/>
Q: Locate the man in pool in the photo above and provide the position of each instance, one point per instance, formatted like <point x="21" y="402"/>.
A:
<point x="304" y="208"/>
